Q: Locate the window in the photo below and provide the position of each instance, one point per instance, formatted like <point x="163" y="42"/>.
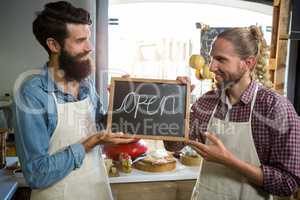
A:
<point x="155" y="40"/>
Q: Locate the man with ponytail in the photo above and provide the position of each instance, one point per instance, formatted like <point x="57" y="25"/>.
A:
<point x="247" y="134"/>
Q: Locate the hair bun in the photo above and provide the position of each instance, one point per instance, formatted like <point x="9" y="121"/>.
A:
<point x="256" y="32"/>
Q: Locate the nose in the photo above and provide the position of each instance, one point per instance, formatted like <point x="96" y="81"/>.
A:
<point x="88" y="46"/>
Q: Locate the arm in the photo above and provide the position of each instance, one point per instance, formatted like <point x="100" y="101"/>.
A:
<point x="282" y="172"/>
<point x="253" y="173"/>
<point x="32" y="140"/>
<point x="281" y="176"/>
<point x="106" y="137"/>
<point x="217" y="152"/>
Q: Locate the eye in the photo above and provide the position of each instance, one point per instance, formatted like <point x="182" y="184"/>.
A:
<point x="80" y="40"/>
<point x="221" y="59"/>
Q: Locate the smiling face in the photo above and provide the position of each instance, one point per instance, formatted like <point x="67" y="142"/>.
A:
<point x="225" y="63"/>
<point x="74" y="58"/>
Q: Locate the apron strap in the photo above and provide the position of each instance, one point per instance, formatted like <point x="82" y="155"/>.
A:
<point x="55" y="99"/>
<point x="253" y="102"/>
<point x="212" y="115"/>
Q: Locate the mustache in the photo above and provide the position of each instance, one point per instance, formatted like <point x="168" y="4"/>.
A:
<point x="81" y="55"/>
<point x="219" y="72"/>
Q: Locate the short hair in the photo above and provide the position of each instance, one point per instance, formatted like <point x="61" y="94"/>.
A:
<point x="52" y="22"/>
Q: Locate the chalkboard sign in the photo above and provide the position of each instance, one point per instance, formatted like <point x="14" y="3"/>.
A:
<point x="149" y="108"/>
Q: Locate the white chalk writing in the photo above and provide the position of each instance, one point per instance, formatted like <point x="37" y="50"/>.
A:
<point x="134" y="102"/>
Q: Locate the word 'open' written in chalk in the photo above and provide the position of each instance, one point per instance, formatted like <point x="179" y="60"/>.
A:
<point x="133" y="103"/>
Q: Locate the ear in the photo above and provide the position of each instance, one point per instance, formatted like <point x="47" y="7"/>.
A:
<point x="53" y="45"/>
<point x="250" y="62"/>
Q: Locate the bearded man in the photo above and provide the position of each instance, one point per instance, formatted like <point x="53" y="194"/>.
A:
<point x="59" y="115"/>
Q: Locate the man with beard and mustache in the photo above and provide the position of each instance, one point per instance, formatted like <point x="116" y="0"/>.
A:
<point x="57" y="112"/>
<point x="247" y="134"/>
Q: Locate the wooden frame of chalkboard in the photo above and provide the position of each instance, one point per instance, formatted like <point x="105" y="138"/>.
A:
<point x="169" y="121"/>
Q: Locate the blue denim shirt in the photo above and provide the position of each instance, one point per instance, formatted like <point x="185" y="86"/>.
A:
<point x="36" y="119"/>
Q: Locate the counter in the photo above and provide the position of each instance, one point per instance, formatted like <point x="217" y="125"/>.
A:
<point x="177" y="184"/>
<point x="8" y="185"/>
<point x="181" y="172"/>
<point x="174" y="185"/>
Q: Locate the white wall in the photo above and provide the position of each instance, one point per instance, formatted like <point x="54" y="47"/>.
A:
<point x="19" y="50"/>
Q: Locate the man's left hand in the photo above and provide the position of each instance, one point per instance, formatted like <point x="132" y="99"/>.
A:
<point x="215" y="152"/>
<point x="105" y="137"/>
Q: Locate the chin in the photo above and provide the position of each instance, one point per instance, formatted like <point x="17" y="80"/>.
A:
<point x="224" y="84"/>
<point x="219" y="81"/>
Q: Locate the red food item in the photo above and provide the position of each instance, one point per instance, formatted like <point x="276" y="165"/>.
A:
<point x="124" y="156"/>
<point x="134" y="149"/>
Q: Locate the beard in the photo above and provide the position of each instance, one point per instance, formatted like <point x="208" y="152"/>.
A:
<point x="229" y="81"/>
<point x="74" y="68"/>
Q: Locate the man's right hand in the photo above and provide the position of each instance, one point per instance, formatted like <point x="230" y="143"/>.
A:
<point x="106" y="137"/>
<point x="185" y="80"/>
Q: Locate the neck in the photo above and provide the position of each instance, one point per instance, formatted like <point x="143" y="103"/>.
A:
<point x="234" y="93"/>
<point x="57" y="76"/>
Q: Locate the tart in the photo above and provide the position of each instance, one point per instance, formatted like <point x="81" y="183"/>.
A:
<point x="190" y="157"/>
<point x="154" y="163"/>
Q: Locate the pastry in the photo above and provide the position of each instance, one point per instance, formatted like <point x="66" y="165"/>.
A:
<point x="189" y="157"/>
<point x="114" y="172"/>
<point x="158" y="161"/>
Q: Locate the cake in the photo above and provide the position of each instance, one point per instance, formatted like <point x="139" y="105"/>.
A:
<point x="157" y="161"/>
<point x="189" y="157"/>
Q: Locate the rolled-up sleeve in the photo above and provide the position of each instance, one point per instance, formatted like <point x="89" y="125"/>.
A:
<point x="32" y="141"/>
<point x="281" y="176"/>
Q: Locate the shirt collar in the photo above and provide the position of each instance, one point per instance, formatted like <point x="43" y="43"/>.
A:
<point x="48" y="83"/>
<point x="248" y="94"/>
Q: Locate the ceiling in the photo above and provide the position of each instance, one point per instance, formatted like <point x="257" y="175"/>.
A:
<point x="265" y="7"/>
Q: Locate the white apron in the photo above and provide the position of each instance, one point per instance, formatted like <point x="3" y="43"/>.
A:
<point x="217" y="182"/>
<point x="90" y="181"/>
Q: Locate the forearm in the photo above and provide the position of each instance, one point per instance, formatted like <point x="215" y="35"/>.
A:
<point x="49" y="169"/>
<point x="91" y="142"/>
<point x="253" y="173"/>
<point x="274" y="180"/>
<point x="279" y="182"/>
